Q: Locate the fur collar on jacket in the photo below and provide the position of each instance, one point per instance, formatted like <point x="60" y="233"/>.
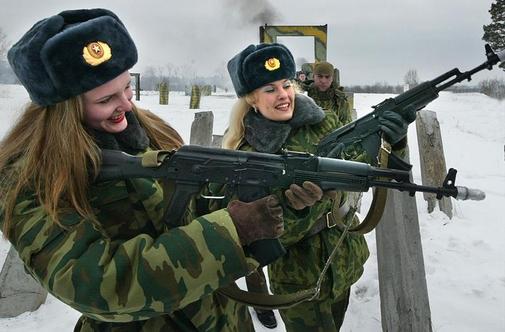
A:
<point x="132" y="140"/>
<point x="265" y="135"/>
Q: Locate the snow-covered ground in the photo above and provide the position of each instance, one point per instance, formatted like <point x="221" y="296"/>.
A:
<point x="464" y="256"/>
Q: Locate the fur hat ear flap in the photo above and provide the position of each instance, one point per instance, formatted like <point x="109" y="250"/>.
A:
<point x="70" y="53"/>
<point x="258" y="65"/>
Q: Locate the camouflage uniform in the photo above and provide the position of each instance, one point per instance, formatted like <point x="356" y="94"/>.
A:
<point x="129" y="271"/>
<point x="333" y="99"/>
<point x="306" y="255"/>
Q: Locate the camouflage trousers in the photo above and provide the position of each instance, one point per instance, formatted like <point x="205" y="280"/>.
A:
<point x="321" y="316"/>
<point x="217" y="314"/>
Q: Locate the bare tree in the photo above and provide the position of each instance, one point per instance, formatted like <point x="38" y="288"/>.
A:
<point x="494" y="88"/>
<point x="411" y="78"/>
<point x="172" y="70"/>
<point x="4" y="44"/>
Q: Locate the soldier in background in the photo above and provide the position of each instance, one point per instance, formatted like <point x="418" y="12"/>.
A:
<point x="301" y="79"/>
<point x="308" y="68"/>
<point x="301" y="76"/>
<point x="327" y="93"/>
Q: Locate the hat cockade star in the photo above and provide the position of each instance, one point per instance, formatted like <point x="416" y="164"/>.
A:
<point x="96" y="53"/>
<point x="272" y="64"/>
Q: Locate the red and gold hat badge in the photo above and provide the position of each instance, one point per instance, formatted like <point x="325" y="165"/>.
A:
<point x="96" y="52"/>
<point x="272" y="64"/>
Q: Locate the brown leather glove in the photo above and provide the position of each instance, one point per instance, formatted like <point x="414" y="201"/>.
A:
<point x="301" y="197"/>
<point x="257" y="220"/>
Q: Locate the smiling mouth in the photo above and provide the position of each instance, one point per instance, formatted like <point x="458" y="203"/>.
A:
<point x="282" y="107"/>
<point x="117" y="118"/>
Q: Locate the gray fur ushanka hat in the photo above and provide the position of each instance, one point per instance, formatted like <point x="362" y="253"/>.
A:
<point x="260" y="64"/>
<point x="70" y="53"/>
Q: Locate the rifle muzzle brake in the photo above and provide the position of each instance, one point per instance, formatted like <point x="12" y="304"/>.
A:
<point x="465" y="193"/>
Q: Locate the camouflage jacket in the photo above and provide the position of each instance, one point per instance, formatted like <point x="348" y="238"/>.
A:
<point x="301" y="266"/>
<point x="128" y="271"/>
<point x="333" y="99"/>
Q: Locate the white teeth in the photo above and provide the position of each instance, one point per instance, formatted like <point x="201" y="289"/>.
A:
<point x="116" y="116"/>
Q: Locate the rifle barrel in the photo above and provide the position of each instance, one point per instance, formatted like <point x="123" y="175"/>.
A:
<point x="492" y="59"/>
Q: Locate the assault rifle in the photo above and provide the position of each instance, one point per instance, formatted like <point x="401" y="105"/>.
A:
<point x="366" y="130"/>
<point x="251" y="175"/>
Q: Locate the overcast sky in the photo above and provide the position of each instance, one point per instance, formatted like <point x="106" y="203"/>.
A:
<point x="368" y="40"/>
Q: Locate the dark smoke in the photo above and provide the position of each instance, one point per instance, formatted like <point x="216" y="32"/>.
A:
<point x="255" y="12"/>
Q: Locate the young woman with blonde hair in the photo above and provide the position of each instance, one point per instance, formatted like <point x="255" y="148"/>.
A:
<point x="104" y="248"/>
<point x="271" y="116"/>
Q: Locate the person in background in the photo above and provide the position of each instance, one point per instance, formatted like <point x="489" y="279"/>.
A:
<point x="326" y="93"/>
<point x="300" y="76"/>
<point x="271" y="116"/>
<point x="104" y="248"/>
<point x="308" y="69"/>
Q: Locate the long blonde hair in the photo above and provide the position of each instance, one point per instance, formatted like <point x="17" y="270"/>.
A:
<point x="234" y="134"/>
<point x="48" y="151"/>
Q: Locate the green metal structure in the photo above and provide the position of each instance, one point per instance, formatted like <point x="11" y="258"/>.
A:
<point x="269" y="34"/>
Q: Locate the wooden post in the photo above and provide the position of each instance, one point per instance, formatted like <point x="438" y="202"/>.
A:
<point x="402" y="282"/>
<point x="19" y="292"/>
<point x="336" y="76"/>
<point x="201" y="129"/>
<point x="194" y="102"/>
<point x="137" y="85"/>
<point x="217" y="141"/>
<point x="432" y="159"/>
<point x="163" y="93"/>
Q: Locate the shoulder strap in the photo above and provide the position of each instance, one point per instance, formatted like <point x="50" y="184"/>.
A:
<point x="380" y="195"/>
<point x="267" y="301"/>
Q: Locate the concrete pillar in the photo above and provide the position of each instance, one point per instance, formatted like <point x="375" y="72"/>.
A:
<point x="194" y="102"/>
<point x="19" y="292"/>
<point x="217" y="141"/>
<point x="201" y="129"/>
<point x="402" y="281"/>
<point x="163" y="93"/>
<point x="432" y="159"/>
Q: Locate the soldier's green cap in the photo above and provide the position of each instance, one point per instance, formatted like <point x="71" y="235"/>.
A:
<point x="323" y="68"/>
